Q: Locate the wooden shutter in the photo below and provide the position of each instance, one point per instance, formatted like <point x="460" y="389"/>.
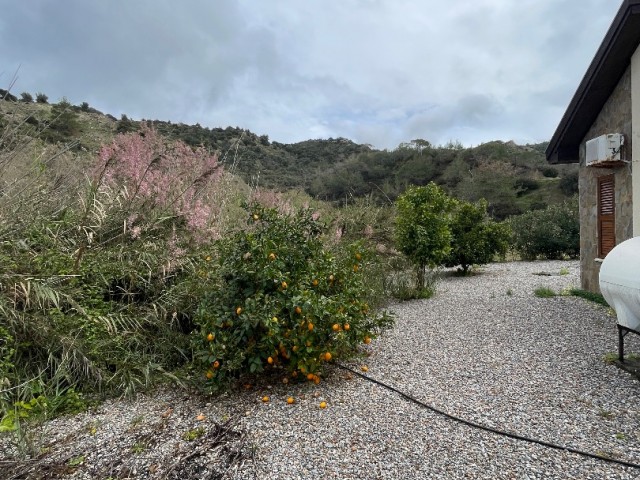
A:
<point x="606" y="215"/>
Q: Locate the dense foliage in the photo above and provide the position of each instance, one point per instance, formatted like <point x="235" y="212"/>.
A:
<point x="552" y="233"/>
<point x="475" y="239"/>
<point x="422" y="227"/>
<point x="276" y="298"/>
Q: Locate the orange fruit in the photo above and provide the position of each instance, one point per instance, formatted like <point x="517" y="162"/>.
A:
<point x="346" y="326"/>
<point x="298" y="310"/>
<point x="272" y="256"/>
<point x="335" y="327"/>
<point x="295" y="348"/>
<point x="238" y="310"/>
<point x="315" y="282"/>
<point x="265" y="399"/>
<point x="270" y="361"/>
<point x="367" y="340"/>
<point x="355" y="268"/>
<point x="323" y="404"/>
<point x="210" y="337"/>
<point x="308" y="343"/>
<point x="316" y="380"/>
<point x="284" y="285"/>
<point x="208" y="259"/>
<point x="201" y="417"/>
<point x="364" y="368"/>
<point x="358" y="256"/>
<point x="310" y="376"/>
<point x="256" y="216"/>
<point x="327" y="357"/>
<point x="310" y="326"/>
<point x="331" y="278"/>
<point x="209" y="374"/>
<point x="216" y="364"/>
<point x="291" y="400"/>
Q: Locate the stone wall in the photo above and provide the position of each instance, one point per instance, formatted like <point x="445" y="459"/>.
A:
<point x="615" y="117"/>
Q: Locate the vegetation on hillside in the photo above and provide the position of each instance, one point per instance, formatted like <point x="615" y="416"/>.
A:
<point x="512" y="178"/>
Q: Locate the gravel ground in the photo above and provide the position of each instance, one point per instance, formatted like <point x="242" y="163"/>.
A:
<point x="485" y="348"/>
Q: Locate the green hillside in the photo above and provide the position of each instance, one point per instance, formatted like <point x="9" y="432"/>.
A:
<point x="513" y="178"/>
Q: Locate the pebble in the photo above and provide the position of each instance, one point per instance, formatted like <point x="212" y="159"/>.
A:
<point x="512" y="361"/>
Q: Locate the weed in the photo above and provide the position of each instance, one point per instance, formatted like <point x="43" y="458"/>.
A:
<point x="592" y="297"/>
<point x="544" y="292"/>
<point x="620" y="436"/>
<point x="137" y="420"/>
<point x="606" y="414"/>
<point x="191" y="435"/>
<point x="564" y="271"/>
<point x="138" y="448"/>
<point x="75" y="461"/>
<point x="509" y="292"/>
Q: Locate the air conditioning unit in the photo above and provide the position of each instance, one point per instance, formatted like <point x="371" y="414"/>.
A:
<point x="605" y="150"/>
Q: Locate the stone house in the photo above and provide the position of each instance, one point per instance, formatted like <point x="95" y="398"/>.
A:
<point x="601" y="131"/>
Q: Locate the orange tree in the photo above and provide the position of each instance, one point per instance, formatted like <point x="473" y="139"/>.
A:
<point x="277" y="300"/>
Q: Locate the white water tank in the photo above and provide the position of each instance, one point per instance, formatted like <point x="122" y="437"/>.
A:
<point x="620" y="282"/>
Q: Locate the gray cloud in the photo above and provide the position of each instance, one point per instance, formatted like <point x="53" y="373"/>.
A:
<point x="375" y="71"/>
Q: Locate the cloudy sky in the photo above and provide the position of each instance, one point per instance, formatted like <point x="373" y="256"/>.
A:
<point x="375" y="71"/>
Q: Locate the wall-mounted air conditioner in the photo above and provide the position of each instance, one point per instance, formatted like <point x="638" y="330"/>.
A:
<point x="605" y="150"/>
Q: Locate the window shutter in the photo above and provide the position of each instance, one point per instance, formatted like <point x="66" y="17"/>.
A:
<point x="606" y="215"/>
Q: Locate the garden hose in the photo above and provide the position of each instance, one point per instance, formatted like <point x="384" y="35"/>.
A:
<point x="514" y="436"/>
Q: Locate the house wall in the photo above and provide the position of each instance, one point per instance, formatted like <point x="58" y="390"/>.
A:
<point x="635" y="155"/>
<point x="615" y="117"/>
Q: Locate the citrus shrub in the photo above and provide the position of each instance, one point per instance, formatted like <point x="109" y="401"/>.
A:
<point x="277" y="300"/>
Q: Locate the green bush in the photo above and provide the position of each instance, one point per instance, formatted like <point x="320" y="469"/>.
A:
<point x="276" y="298"/>
<point x="422" y="227"/>
<point x="552" y="233"/>
<point x="475" y="239"/>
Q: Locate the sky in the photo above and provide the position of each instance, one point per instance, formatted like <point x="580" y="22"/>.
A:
<point x="378" y="72"/>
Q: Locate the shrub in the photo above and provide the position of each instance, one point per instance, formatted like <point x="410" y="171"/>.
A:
<point x="276" y="298"/>
<point x="475" y="239"/>
<point x="569" y="183"/>
<point x="422" y="227"/>
<point x="552" y="233"/>
<point x="548" y="172"/>
<point x="26" y="97"/>
<point x="41" y="98"/>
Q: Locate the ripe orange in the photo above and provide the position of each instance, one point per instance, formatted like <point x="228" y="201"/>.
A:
<point x="327" y="357"/>
<point x="272" y="256"/>
<point x="346" y="326"/>
<point x="310" y="326"/>
<point x="364" y="368"/>
<point x="291" y="400"/>
<point x="367" y="340"/>
<point x="270" y="361"/>
<point x="216" y="364"/>
<point x="238" y="310"/>
<point x="209" y="374"/>
<point x="355" y="267"/>
<point x="295" y="348"/>
<point x="323" y="404"/>
<point x="298" y="310"/>
<point x="358" y="256"/>
<point x="265" y="399"/>
<point x="210" y="337"/>
<point x="310" y="376"/>
<point x="335" y="327"/>
<point x="315" y="282"/>
<point x="316" y="380"/>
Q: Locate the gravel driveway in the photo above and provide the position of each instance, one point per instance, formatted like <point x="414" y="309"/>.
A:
<point x="484" y="348"/>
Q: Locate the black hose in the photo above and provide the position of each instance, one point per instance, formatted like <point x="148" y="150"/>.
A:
<point x="515" y="436"/>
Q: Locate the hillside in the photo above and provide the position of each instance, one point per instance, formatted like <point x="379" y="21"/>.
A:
<point x="513" y="178"/>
